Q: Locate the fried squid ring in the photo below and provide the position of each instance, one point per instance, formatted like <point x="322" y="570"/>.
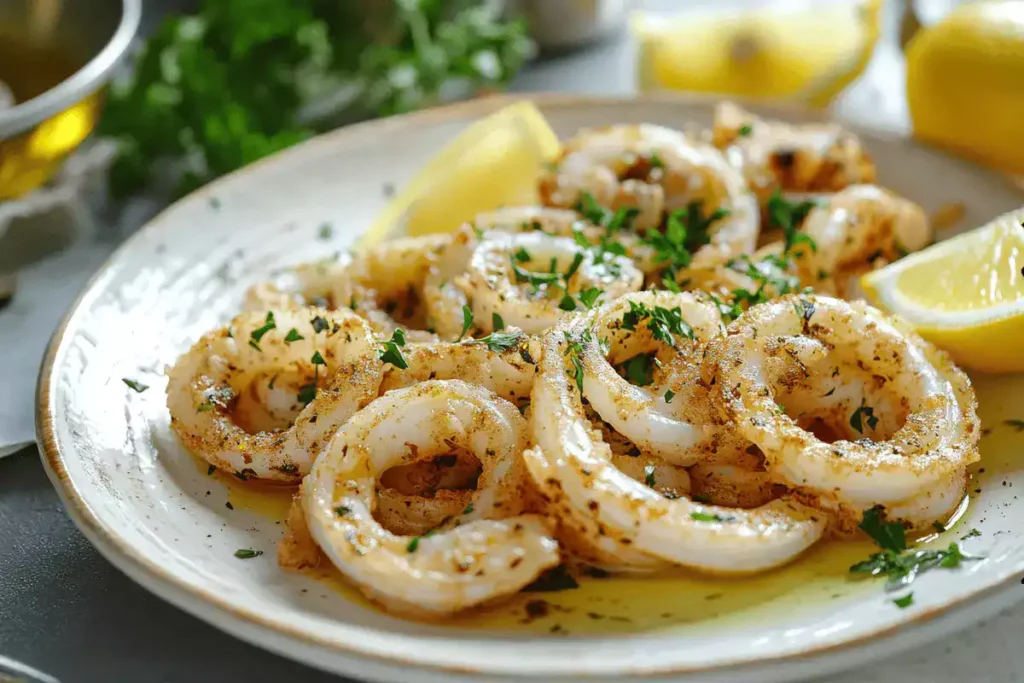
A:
<point x="653" y="419"/>
<point x="846" y="368"/>
<point x="573" y="468"/>
<point x="858" y="229"/>
<point x="525" y="278"/>
<point x="471" y="561"/>
<point x="656" y="170"/>
<point x="333" y="352"/>
<point x="814" y="157"/>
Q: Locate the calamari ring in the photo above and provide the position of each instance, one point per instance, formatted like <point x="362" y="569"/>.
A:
<point x="508" y="374"/>
<point x="858" y="229"/>
<point x="814" y="157"/>
<point x="658" y="426"/>
<point x="798" y="343"/>
<point x="574" y="468"/>
<point x="205" y="382"/>
<point x="656" y="170"/>
<point x="495" y="289"/>
<point x="470" y="562"/>
<point x="375" y="283"/>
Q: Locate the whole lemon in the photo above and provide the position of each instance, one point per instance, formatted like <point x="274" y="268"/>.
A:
<point x="965" y="83"/>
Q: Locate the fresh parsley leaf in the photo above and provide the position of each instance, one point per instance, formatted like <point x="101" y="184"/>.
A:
<point x="655" y="161"/>
<point x="709" y="517"/>
<point x="664" y="323"/>
<point x="468" y="510"/>
<point x="293" y="336"/>
<point x="319" y="324"/>
<point x="574" y="351"/>
<point x="521" y="255"/>
<point x="788" y="215"/>
<point x="317" y="359"/>
<point x="905" y="601"/>
<point x="326" y="231"/>
<point x="746" y="130"/>
<point x="307" y="392"/>
<point x="247" y="553"/>
<point x="268" y="325"/>
<point x="868" y="415"/>
<point x="888" y="535"/>
<point x="639" y="370"/>
<point x="649" y="475"/>
<point x="467" y="321"/>
<point x="588" y="297"/>
<point x="669" y="395"/>
<point x="567" y="303"/>
<point x="535" y="280"/>
<point x="577" y="260"/>
<point x="901" y="568"/>
<point x="499" y="341"/>
<point x="135" y="385"/>
<point x="342" y="510"/>
<point x="496" y="322"/>
<point x="392" y="353"/>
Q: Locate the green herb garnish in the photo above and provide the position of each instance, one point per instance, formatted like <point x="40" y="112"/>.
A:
<point x="496" y="322"/>
<point x="467" y="321"/>
<point x="498" y="341"/>
<point x="664" y="323"/>
<point x="709" y="517"/>
<point x="905" y="601"/>
<point x="247" y="553"/>
<point x="669" y="395"/>
<point x="268" y="325"/>
<point x="649" y="475"/>
<point x="135" y="385"/>
<point x="293" y="336"/>
<point x="865" y="413"/>
<point x="392" y="353"/>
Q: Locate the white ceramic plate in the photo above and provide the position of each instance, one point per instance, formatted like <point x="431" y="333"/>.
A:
<point x="153" y="511"/>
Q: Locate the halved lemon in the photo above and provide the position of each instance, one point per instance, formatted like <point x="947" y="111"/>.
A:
<point x="495" y="162"/>
<point x="805" y="51"/>
<point x="965" y="294"/>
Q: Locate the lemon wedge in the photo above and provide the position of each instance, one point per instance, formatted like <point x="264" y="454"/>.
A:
<point x="965" y="294"/>
<point x="808" y="52"/>
<point x="495" y="162"/>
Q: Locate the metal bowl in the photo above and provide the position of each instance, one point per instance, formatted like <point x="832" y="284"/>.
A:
<point x="38" y="133"/>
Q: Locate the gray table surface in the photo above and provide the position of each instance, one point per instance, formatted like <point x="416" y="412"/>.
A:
<point x="67" y="611"/>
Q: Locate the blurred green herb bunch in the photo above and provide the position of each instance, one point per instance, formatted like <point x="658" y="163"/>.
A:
<point x="241" y="79"/>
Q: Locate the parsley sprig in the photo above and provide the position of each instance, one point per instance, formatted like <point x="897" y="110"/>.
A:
<point x="242" y="79"/>
<point x="392" y="353"/>
<point x="686" y="230"/>
<point x="896" y="562"/>
<point x="664" y="323"/>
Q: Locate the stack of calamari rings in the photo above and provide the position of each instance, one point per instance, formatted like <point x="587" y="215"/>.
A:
<point x="633" y="376"/>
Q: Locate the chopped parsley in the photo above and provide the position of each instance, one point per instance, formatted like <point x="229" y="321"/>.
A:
<point x="574" y="350"/>
<point x="588" y="297"/>
<point x="307" y="392"/>
<point x="863" y="414"/>
<point x="709" y="517"/>
<point x="567" y="303"/>
<point x="496" y="322"/>
<point x="257" y="334"/>
<point x="498" y="341"/>
<point x="639" y="370"/>
<point x="210" y="470"/>
<point x="649" y="475"/>
<point x="663" y="323"/>
<point x="788" y="215"/>
<point x="247" y="553"/>
<point x="392" y="353"/>
<point x="293" y="336"/>
<point x="745" y="130"/>
<point x="900" y="565"/>
<point x="669" y="395"/>
<point x="414" y="544"/>
<point x="467" y="321"/>
<point x="522" y="255"/>
<point x="342" y="510"/>
<point x="655" y="161"/>
<point x="973" y="533"/>
<point x="468" y="510"/>
<point x="905" y="601"/>
<point x="135" y="385"/>
<point x="319" y="324"/>
<point x="535" y="280"/>
<point x="326" y="231"/>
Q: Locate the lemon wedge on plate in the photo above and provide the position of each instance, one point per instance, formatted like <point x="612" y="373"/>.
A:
<point x="495" y="162"/>
<point x="965" y="294"/>
<point x="799" y="50"/>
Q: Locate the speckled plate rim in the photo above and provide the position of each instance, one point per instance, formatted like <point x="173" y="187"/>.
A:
<point x="946" y="618"/>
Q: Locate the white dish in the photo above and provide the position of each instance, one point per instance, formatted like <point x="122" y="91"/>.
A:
<point x="151" y="509"/>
